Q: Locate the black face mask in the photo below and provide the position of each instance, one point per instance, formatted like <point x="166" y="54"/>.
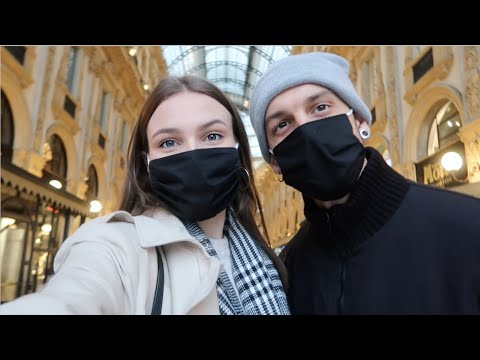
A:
<point x="322" y="159"/>
<point x="198" y="184"/>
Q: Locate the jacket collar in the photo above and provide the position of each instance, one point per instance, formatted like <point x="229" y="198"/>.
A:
<point x="156" y="227"/>
<point x="377" y="195"/>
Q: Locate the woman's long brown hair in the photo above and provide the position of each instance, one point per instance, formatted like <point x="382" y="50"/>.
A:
<point x="138" y="195"/>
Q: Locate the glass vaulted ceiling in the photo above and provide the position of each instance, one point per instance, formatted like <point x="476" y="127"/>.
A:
<point x="234" y="69"/>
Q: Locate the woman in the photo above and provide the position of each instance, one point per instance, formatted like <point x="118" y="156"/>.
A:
<point x="186" y="217"/>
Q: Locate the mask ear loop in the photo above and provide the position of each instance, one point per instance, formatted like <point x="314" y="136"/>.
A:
<point x="246" y="171"/>
<point x="148" y="164"/>
<point x="364" y="133"/>
<point x="279" y="177"/>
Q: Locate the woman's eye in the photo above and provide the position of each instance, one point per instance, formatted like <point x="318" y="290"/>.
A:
<point x="321" y="107"/>
<point x="167" y="143"/>
<point x="213" y="137"/>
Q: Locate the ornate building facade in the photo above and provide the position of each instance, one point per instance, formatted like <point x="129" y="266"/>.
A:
<point x="425" y="102"/>
<point x="66" y="113"/>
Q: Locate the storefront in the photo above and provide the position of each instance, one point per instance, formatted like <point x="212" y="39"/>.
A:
<point x="447" y="158"/>
<point x="37" y="213"/>
<point x="36" y="218"/>
<point x="446" y="168"/>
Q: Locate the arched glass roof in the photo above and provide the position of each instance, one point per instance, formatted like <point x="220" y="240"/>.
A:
<point x="235" y="69"/>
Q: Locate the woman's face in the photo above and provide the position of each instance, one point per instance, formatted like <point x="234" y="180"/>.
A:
<point x="188" y="121"/>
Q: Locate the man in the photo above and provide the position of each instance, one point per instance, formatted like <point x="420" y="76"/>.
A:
<point x="373" y="242"/>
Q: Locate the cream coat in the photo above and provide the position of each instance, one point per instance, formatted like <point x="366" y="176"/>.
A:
<point x="109" y="266"/>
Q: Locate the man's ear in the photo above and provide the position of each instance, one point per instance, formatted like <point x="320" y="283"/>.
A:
<point x="362" y="127"/>
<point x="275" y="167"/>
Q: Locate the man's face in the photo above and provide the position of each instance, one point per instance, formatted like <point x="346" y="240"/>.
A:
<point x="299" y="105"/>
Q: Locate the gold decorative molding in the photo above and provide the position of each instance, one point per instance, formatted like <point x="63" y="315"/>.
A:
<point x="407" y="170"/>
<point x="297" y="50"/>
<point x="470" y="132"/>
<point x="471" y="57"/>
<point x="378" y="140"/>
<point x="58" y="108"/>
<point x="380" y="115"/>
<point x="162" y="69"/>
<point x="61" y="91"/>
<point x="29" y="160"/>
<point x="472" y="74"/>
<point x="358" y="56"/>
<point x="96" y="150"/>
<point x="392" y="117"/>
<point x="442" y="63"/>
<point x="23" y="73"/>
<point x="473" y="94"/>
<point x="77" y="188"/>
<point x="95" y="61"/>
<point x="62" y="69"/>
<point x="470" y="135"/>
<point x="282" y="206"/>
<point x="417" y="127"/>
<point x="47" y="81"/>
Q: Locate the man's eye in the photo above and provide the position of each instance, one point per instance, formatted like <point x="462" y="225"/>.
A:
<point x="321" y="107"/>
<point x="281" y="125"/>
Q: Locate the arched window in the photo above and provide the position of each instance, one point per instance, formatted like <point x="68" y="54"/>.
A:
<point x="7" y="129"/>
<point x="92" y="182"/>
<point x="72" y="71"/>
<point x="54" y="153"/>
<point x="445" y="125"/>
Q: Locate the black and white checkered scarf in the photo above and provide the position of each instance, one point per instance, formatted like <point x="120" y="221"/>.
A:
<point x="256" y="278"/>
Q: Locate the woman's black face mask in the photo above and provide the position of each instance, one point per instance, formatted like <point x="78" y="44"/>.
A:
<point x="322" y="159"/>
<point x="198" y="184"/>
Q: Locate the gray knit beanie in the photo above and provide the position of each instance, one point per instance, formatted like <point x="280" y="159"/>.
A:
<point x="325" y="69"/>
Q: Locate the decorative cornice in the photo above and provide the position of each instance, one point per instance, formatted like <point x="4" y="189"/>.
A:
<point x="392" y="107"/>
<point x="442" y="59"/>
<point x="59" y="112"/>
<point x="282" y="206"/>
<point x="21" y="73"/>
<point x="46" y="86"/>
<point x="472" y="74"/>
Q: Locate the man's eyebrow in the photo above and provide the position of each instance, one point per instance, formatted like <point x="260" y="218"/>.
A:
<point x="318" y="95"/>
<point x="274" y="116"/>
<point x="309" y="100"/>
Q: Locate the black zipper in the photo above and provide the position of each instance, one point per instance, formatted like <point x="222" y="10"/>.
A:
<point x="328" y="216"/>
<point x="341" y="294"/>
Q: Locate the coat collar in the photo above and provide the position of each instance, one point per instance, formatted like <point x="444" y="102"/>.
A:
<point x="377" y="195"/>
<point x="155" y="227"/>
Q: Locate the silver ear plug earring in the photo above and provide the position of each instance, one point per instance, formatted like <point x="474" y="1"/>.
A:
<point x="365" y="133"/>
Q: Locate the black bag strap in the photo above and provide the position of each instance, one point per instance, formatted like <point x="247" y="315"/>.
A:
<point x="158" y="299"/>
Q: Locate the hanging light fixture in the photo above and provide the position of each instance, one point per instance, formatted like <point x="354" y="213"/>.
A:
<point x="132" y="51"/>
<point x="95" y="206"/>
<point x="451" y="161"/>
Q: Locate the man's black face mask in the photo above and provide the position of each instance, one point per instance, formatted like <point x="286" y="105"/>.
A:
<point x="322" y="159"/>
